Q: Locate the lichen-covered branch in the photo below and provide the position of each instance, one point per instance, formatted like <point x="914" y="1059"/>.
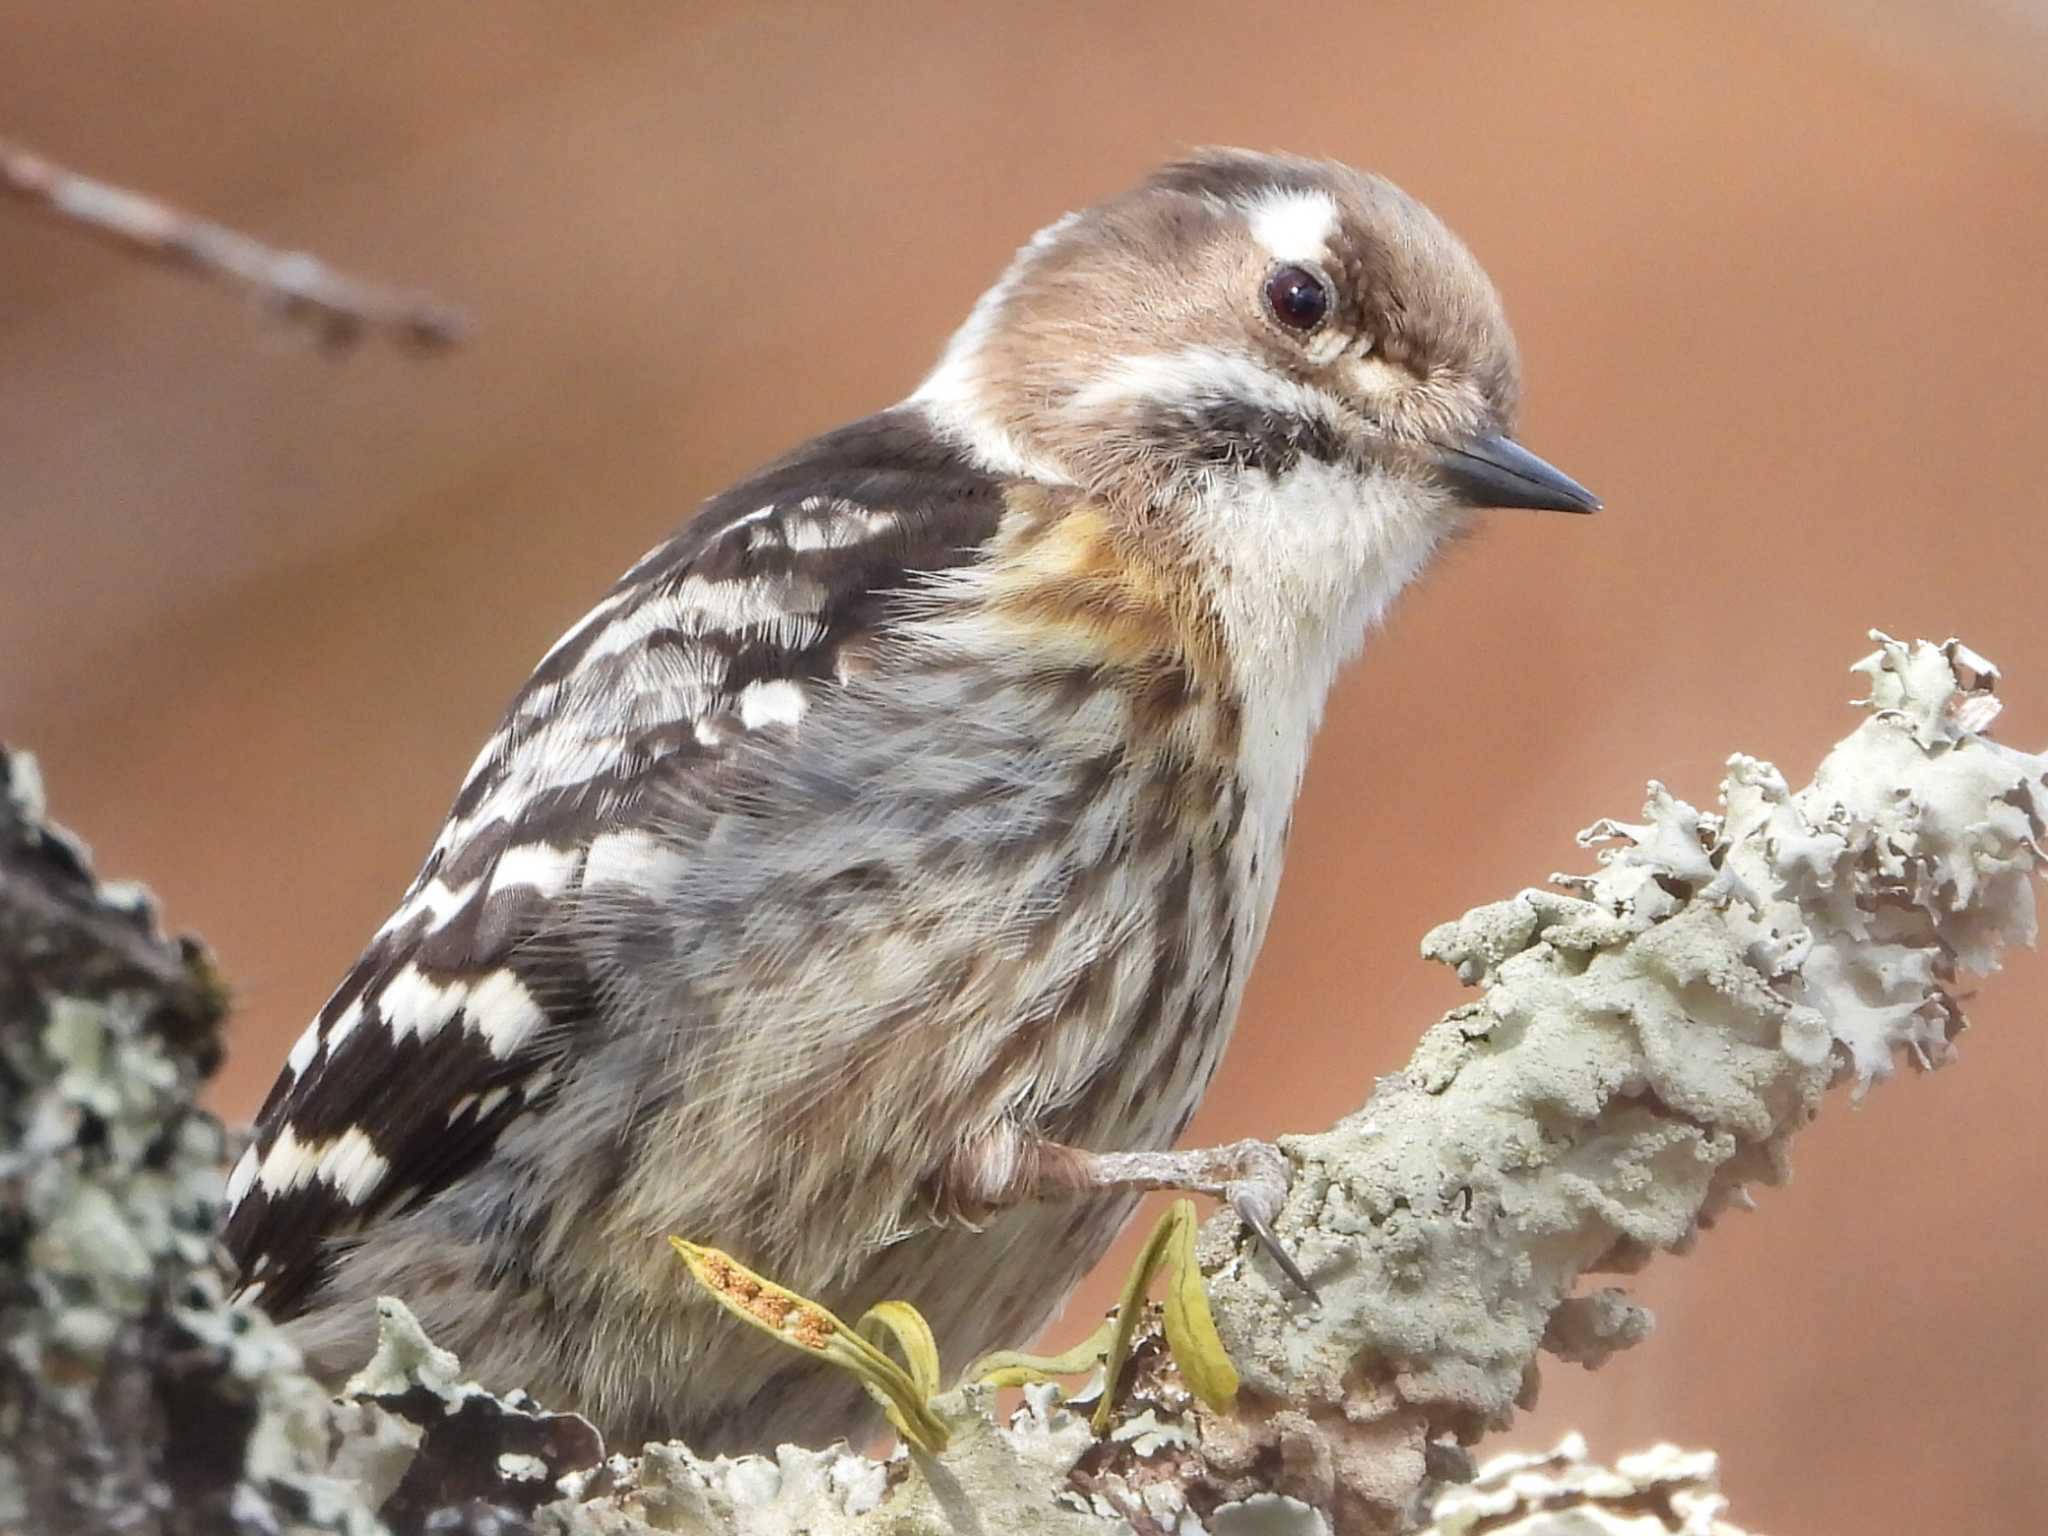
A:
<point x="1644" y="1042"/>
<point x="131" y="1398"/>
<point x="1640" y="1052"/>
<point x="342" y="309"/>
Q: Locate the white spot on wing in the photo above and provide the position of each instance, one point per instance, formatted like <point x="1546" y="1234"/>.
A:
<point x="350" y="1164"/>
<point x="435" y="900"/>
<point x="738" y="604"/>
<point x="288" y="1165"/>
<point x="594" y="721"/>
<point x="776" y="702"/>
<point x="346" y="1021"/>
<point x="304" y="1049"/>
<point x="600" y="611"/>
<point x="413" y="1003"/>
<point x="243" y="1176"/>
<point x="625" y="631"/>
<point x="542" y="866"/>
<point x="485" y="757"/>
<point x="824" y="523"/>
<point x="636" y="859"/>
<point x="538" y="702"/>
<point x="353" y="1166"/>
<point x="503" y="1012"/>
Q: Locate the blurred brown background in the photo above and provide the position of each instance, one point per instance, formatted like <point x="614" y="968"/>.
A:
<point x="1779" y="280"/>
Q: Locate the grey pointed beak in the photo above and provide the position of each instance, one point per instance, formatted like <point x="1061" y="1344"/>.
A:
<point x="1496" y="471"/>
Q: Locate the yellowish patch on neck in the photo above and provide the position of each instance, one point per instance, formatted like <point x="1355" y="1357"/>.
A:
<point x="1076" y="580"/>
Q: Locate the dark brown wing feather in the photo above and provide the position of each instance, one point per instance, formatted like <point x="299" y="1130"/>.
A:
<point x="455" y="1019"/>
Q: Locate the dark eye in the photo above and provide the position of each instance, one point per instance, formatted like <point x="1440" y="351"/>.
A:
<point x="1298" y="298"/>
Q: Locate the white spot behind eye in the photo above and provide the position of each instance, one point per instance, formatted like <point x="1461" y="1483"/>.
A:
<point x="1293" y="225"/>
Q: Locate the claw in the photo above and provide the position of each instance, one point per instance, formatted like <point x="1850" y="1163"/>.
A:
<point x="1252" y="1216"/>
<point x="1256" y="1195"/>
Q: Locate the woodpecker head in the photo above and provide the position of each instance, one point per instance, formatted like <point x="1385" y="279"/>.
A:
<point x="1238" y="315"/>
<point x="1285" y="380"/>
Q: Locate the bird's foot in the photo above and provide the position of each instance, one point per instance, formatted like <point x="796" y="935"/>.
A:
<point x="1008" y="1165"/>
<point x="1251" y="1177"/>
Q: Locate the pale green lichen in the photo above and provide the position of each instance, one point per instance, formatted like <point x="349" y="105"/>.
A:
<point x="405" y="1358"/>
<point x="1642" y="1052"/>
<point x="997" y="1479"/>
<point x="1643" y="1046"/>
<point x="131" y="1396"/>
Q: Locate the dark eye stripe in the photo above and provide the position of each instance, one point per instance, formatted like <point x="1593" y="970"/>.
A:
<point x="1298" y="298"/>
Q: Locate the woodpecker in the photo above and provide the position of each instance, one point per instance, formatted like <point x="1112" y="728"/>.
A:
<point x="867" y="884"/>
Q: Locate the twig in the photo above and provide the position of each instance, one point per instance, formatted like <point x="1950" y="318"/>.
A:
<point x="342" y="309"/>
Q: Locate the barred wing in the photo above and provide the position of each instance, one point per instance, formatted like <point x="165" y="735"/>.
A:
<point x="460" y="1014"/>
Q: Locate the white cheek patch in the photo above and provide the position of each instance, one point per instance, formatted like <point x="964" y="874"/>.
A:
<point x="1375" y="378"/>
<point x="1293" y="226"/>
<point x="1196" y="376"/>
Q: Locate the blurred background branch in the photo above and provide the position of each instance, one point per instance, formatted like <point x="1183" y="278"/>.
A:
<point x="341" y="309"/>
